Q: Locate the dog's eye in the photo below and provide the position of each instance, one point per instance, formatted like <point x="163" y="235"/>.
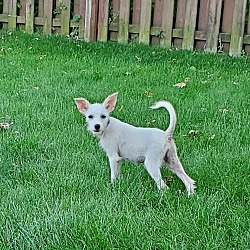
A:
<point x="103" y="116"/>
<point x="90" y="116"/>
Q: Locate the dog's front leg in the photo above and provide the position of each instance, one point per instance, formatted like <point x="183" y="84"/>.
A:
<point x="115" y="167"/>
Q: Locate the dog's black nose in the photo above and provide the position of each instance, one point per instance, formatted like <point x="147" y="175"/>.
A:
<point x="97" y="127"/>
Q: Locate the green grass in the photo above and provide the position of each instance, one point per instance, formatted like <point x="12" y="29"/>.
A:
<point x="55" y="190"/>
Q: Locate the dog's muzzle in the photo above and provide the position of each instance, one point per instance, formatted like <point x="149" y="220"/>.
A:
<point x="97" y="127"/>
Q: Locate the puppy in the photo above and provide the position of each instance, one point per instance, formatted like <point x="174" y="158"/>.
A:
<point x="122" y="141"/>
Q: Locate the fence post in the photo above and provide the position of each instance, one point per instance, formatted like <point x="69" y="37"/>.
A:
<point x="238" y="28"/>
<point x="102" y="31"/>
<point x="47" y="26"/>
<point x="90" y="20"/>
<point x="123" y="29"/>
<point x="29" y="22"/>
<point x="65" y="17"/>
<point x="12" y="17"/>
<point x="167" y="23"/>
<point x="145" y="21"/>
<point x="190" y="23"/>
<point x="213" y="25"/>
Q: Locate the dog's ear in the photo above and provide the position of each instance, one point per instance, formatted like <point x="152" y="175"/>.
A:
<point x="82" y="105"/>
<point x="110" y="102"/>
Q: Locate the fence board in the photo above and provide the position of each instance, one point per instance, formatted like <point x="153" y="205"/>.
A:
<point x="76" y="6"/>
<point x="136" y="12"/>
<point x="12" y="18"/>
<point x="226" y="22"/>
<point x="190" y="23"/>
<point x="123" y="30"/>
<point x="40" y="8"/>
<point x="29" y="22"/>
<point x="247" y="47"/>
<point x="202" y="21"/>
<point x="102" y="32"/>
<point x="180" y="19"/>
<point x="91" y="20"/>
<point x="113" y="20"/>
<point x="157" y="20"/>
<point x="82" y="19"/>
<point x="21" y="7"/>
<point x="145" y="21"/>
<point x="65" y="17"/>
<point x="5" y="6"/>
<point x="47" y="27"/>
<point x="238" y="28"/>
<point x="5" y="11"/>
<point x="167" y="23"/>
<point x="136" y="18"/>
<point x="213" y="25"/>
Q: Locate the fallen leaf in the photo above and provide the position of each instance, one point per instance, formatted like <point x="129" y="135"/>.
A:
<point x="41" y="57"/>
<point x="120" y="108"/>
<point x="180" y="85"/>
<point x="193" y="132"/>
<point x="151" y="122"/>
<point x="148" y="93"/>
<point x="224" y="111"/>
<point x="5" y="125"/>
<point x="212" y="137"/>
<point x="138" y="58"/>
<point x="180" y="192"/>
<point x="169" y="179"/>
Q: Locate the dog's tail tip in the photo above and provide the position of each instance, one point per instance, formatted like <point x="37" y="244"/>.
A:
<point x="170" y="108"/>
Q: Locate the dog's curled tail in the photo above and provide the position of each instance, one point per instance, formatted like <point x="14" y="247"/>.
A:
<point x="172" y="114"/>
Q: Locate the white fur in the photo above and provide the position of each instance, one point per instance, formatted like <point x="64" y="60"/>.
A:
<point x="122" y="141"/>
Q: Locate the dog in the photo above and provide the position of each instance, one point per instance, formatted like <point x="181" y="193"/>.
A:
<point x="122" y="141"/>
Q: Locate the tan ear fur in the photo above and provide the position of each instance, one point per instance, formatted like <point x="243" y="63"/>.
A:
<point x="82" y="105"/>
<point x="110" y="102"/>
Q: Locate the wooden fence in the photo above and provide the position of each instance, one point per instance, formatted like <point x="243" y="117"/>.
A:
<point x="212" y="25"/>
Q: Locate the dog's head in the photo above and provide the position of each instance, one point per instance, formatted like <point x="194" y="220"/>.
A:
<point x="97" y="114"/>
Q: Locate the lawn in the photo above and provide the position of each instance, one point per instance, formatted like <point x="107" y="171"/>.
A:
<point x="55" y="190"/>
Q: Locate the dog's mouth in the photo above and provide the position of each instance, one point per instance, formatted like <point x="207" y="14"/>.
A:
<point x="96" y="131"/>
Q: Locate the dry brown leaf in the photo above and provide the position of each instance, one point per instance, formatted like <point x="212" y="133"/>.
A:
<point x="148" y="93"/>
<point x="169" y="179"/>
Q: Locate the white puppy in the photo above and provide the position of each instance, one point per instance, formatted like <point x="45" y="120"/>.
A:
<point x="122" y="141"/>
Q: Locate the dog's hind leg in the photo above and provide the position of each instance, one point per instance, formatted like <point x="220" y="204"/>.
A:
<point x="153" y="168"/>
<point x="176" y="167"/>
